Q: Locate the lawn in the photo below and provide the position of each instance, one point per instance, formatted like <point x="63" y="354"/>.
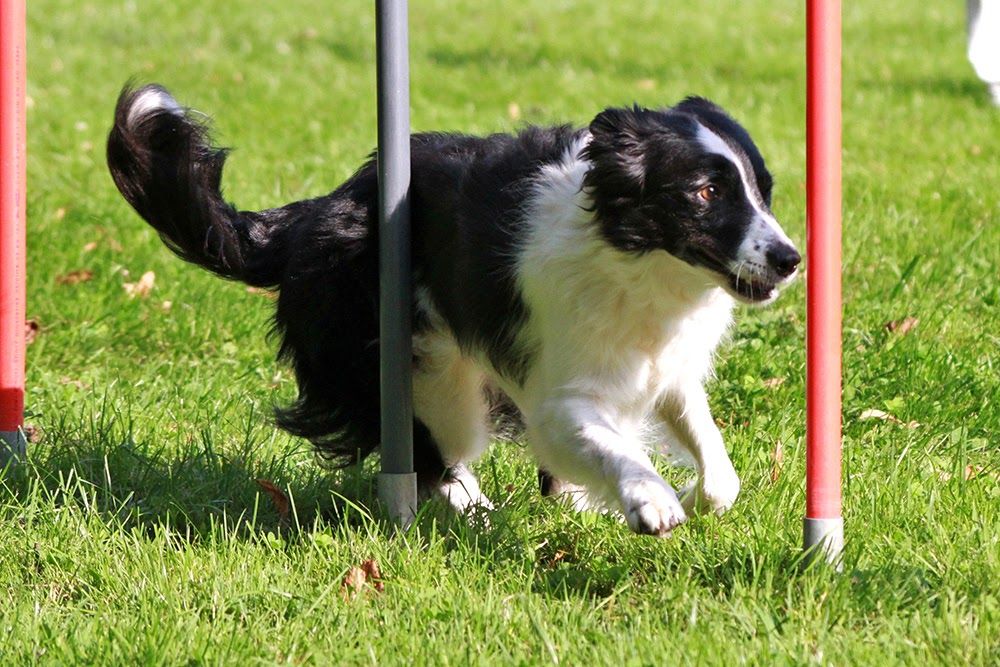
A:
<point x="138" y="534"/>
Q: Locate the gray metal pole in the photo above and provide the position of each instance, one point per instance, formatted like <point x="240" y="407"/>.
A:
<point x="397" y="482"/>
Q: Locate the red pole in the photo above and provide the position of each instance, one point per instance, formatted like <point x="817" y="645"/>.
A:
<point x="823" y="524"/>
<point x="12" y="228"/>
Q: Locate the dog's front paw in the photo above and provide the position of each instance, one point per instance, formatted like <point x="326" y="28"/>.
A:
<point x="651" y="507"/>
<point x="716" y="493"/>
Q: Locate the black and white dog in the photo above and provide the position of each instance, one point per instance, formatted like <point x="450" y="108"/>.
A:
<point x="586" y="275"/>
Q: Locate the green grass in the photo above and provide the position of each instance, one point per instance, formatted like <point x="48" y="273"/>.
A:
<point x="137" y="534"/>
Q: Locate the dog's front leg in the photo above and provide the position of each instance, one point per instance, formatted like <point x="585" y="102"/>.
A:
<point x="578" y="440"/>
<point x="686" y="411"/>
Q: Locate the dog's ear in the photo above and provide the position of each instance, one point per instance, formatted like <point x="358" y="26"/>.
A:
<point x="701" y="107"/>
<point x="620" y="152"/>
<point x="617" y="151"/>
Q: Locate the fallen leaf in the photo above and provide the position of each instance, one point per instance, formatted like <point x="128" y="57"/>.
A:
<point x="79" y="384"/>
<point x="882" y="415"/>
<point x="278" y="498"/>
<point x="968" y="473"/>
<point x="166" y="306"/>
<point x="645" y="84"/>
<point x="873" y="413"/>
<point x="75" y="277"/>
<point x="514" y="111"/>
<point x="902" y="326"/>
<point x="31" y="330"/>
<point x="60" y="213"/>
<point x="90" y="247"/>
<point x="371" y="569"/>
<point x="357" y="577"/>
<point x="774" y="383"/>
<point x="142" y="288"/>
<point x="32" y="433"/>
<point x="777" y="461"/>
<point x="353" y="583"/>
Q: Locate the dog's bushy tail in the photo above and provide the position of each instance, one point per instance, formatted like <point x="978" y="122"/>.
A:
<point x="165" y="166"/>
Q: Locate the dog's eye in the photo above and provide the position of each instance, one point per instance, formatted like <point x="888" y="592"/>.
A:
<point x="708" y="193"/>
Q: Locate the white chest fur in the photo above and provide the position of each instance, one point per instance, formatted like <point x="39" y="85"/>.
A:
<point x="605" y="323"/>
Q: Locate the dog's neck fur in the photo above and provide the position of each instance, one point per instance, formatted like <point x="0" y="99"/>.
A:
<point x="617" y="321"/>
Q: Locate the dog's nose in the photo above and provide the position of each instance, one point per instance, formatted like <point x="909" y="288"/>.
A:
<point x="784" y="259"/>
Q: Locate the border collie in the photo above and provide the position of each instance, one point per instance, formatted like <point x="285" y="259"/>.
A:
<point x="584" y="275"/>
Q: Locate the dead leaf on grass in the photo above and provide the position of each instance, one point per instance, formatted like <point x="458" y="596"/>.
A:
<point x="774" y="383"/>
<point x="367" y="576"/>
<point x="777" y="461"/>
<point x="32" y="433"/>
<point x="75" y="277"/>
<point x="882" y="415"/>
<point x="278" y="498"/>
<point x="79" y="384"/>
<point x="970" y="472"/>
<point x="142" y="288"/>
<point x="31" y="330"/>
<point x="514" y="111"/>
<point x="903" y="326"/>
<point x="973" y="471"/>
<point x="556" y="557"/>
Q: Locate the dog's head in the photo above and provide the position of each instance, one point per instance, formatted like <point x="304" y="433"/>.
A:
<point x="691" y="182"/>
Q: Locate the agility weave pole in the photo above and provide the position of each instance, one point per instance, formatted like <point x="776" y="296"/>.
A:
<point x="823" y="526"/>
<point x="823" y="532"/>
<point x="397" y="483"/>
<point x="12" y="228"/>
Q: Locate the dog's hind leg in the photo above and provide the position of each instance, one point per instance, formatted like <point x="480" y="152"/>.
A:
<point x="448" y="399"/>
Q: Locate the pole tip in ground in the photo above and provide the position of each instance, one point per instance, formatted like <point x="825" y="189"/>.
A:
<point x="823" y="540"/>
<point x="13" y="447"/>
<point x="398" y="494"/>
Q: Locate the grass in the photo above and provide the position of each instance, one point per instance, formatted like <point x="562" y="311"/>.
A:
<point x="136" y="533"/>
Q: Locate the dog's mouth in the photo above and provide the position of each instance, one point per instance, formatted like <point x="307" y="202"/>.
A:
<point x="746" y="283"/>
<point x="751" y="287"/>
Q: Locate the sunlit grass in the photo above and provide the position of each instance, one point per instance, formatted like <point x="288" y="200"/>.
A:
<point x="137" y="533"/>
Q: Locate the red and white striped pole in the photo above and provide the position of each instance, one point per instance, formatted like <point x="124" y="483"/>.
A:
<point x="824" y="527"/>
<point x="12" y="227"/>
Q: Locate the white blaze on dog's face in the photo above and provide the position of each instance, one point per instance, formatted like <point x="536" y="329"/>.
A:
<point x="765" y="250"/>
<point x="690" y="181"/>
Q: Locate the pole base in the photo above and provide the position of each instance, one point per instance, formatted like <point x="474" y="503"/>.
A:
<point x="13" y="447"/>
<point x="398" y="494"/>
<point x="824" y="538"/>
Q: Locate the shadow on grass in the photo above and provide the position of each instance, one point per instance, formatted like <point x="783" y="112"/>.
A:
<point x="188" y="485"/>
<point x="193" y="491"/>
